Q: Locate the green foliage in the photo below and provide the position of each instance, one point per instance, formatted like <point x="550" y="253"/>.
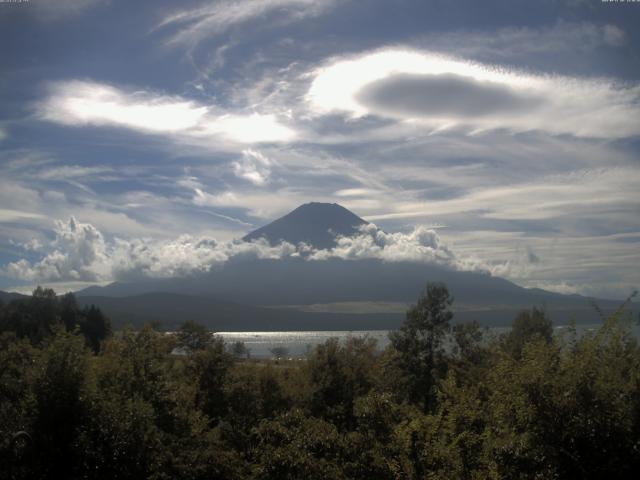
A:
<point x="240" y="350"/>
<point x="60" y="404"/>
<point x="36" y="318"/>
<point x="436" y="404"/>
<point x="95" y="327"/>
<point x="339" y="374"/>
<point x="296" y="446"/>
<point x="17" y="405"/>
<point x="419" y="344"/>
<point x="193" y="336"/>
<point x="208" y="369"/>
<point x="528" y="326"/>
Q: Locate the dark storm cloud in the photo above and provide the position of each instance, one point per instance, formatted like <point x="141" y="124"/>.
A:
<point x="446" y="94"/>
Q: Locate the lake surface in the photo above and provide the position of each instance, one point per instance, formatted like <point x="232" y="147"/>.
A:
<point x="298" y="344"/>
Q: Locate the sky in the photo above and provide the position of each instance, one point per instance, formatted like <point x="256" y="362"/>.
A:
<point x="139" y="139"/>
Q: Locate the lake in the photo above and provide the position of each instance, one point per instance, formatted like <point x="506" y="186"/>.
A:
<point x="298" y="344"/>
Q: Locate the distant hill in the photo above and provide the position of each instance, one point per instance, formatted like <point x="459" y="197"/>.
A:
<point x="170" y="310"/>
<point x="286" y="286"/>
<point x="6" y="297"/>
<point x="316" y="224"/>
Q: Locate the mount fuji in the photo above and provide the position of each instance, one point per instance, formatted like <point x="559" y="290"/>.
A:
<point x="295" y="293"/>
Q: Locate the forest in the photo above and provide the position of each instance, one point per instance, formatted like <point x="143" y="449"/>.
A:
<point x="445" y="400"/>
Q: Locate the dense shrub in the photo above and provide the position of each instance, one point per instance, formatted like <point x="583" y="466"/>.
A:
<point x="441" y="402"/>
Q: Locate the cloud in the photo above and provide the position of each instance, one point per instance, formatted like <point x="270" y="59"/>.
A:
<point x="81" y="253"/>
<point x="254" y="167"/>
<point x="66" y="172"/>
<point x="224" y="199"/>
<point x="440" y="92"/>
<point x="252" y="128"/>
<point x="33" y="245"/>
<point x="10" y="215"/>
<point x="422" y="245"/>
<point x="194" y="25"/>
<point x="614" y="36"/>
<point x="561" y="40"/>
<point x="83" y="103"/>
<point x="585" y="193"/>
<point x="444" y="95"/>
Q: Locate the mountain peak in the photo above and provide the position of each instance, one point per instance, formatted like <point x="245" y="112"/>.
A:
<point x="317" y="224"/>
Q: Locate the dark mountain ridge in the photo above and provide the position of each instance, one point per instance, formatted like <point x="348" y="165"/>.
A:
<point x="316" y="224"/>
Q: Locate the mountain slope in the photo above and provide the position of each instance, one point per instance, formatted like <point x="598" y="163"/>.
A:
<point x="170" y="310"/>
<point x="316" y="224"/>
<point x="6" y="297"/>
<point x="242" y="287"/>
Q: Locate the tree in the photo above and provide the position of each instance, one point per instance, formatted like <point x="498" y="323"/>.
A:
<point x="528" y="326"/>
<point x="37" y="317"/>
<point x="209" y="368"/>
<point x="60" y="404"/>
<point x="194" y="336"/>
<point x="239" y="350"/>
<point x="338" y="375"/>
<point x="69" y="311"/>
<point x="419" y="343"/>
<point x="95" y="326"/>
<point x="279" y="352"/>
<point x="34" y="318"/>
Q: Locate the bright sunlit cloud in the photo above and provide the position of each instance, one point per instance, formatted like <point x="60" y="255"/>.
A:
<point x="442" y="92"/>
<point x="82" y="103"/>
<point x="254" y="128"/>
<point x="80" y="252"/>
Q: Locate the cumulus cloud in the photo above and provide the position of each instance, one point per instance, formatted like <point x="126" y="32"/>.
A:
<point x="32" y="245"/>
<point x="441" y="92"/>
<point x="81" y="253"/>
<point x="84" y="103"/>
<point x="421" y="245"/>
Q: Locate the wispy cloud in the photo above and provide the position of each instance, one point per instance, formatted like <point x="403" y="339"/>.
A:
<point x="526" y="42"/>
<point x="253" y="166"/>
<point x="83" y="103"/>
<point x="189" y="27"/>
